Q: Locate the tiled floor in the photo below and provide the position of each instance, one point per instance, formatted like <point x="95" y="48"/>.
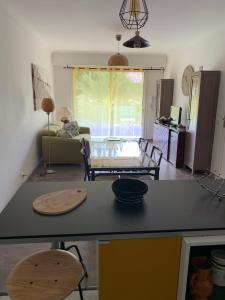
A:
<point x="76" y="173"/>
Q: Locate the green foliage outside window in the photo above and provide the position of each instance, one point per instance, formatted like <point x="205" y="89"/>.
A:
<point x="110" y="102"/>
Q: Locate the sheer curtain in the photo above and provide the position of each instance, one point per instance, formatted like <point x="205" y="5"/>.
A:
<point x="149" y="101"/>
<point x="109" y="101"/>
<point x="91" y="100"/>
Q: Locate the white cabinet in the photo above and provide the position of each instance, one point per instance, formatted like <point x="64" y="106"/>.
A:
<point x="187" y="244"/>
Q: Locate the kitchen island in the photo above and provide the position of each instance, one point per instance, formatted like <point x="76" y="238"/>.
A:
<point x="174" y="208"/>
<point x="139" y="248"/>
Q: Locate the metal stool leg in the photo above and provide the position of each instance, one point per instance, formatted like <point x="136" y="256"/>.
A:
<point x="80" y="258"/>
<point x="85" y="273"/>
<point x="80" y="292"/>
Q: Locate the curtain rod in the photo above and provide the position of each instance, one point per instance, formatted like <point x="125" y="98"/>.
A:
<point x="116" y="68"/>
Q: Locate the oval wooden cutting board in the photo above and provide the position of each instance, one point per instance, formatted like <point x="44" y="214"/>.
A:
<point x="59" y="202"/>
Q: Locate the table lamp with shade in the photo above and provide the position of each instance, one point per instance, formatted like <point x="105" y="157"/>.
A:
<point x="48" y="106"/>
<point x="64" y="114"/>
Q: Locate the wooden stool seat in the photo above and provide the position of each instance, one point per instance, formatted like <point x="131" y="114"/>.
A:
<point x="45" y="275"/>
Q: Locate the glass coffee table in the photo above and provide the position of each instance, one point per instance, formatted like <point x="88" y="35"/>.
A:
<point x="120" y="157"/>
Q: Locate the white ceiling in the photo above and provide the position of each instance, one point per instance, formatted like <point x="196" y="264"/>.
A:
<point x="90" y="25"/>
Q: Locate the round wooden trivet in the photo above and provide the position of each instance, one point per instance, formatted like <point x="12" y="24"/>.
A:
<point x="60" y="202"/>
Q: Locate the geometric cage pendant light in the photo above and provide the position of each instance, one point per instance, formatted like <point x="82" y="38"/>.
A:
<point x="118" y="59"/>
<point x="133" y="14"/>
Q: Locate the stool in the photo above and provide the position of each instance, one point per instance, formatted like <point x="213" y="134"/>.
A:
<point x="45" y="275"/>
<point x="62" y="246"/>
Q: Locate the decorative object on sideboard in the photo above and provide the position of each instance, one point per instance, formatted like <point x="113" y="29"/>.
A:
<point x="48" y="106"/>
<point x="64" y="114"/>
<point x="134" y="15"/>
<point x="118" y="59"/>
<point x="136" y="42"/>
<point x="164" y="120"/>
<point x="218" y="267"/>
<point x="40" y="84"/>
<point x="181" y="126"/>
<point x="201" y="284"/>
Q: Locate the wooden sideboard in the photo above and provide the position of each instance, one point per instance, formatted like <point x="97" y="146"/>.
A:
<point x="172" y="143"/>
<point x="176" y="147"/>
<point x="161" y="138"/>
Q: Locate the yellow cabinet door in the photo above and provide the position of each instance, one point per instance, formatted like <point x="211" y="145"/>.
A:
<point x="139" y="269"/>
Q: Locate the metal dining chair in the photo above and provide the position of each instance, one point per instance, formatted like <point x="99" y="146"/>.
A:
<point x="143" y="144"/>
<point x="85" y="151"/>
<point x="45" y="275"/>
<point x="156" y="155"/>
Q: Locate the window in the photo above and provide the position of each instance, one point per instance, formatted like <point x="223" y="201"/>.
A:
<point x="109" y="101"/>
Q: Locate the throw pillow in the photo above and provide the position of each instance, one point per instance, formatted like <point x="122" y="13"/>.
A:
<point x="63" y="133"/>
<point x="72" y="128"/>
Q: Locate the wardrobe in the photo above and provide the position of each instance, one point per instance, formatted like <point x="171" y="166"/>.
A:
<point x="164" y="97"/>
<point x="201" y="120"/>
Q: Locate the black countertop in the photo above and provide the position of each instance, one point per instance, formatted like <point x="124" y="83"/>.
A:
<point x="169" y="207"/>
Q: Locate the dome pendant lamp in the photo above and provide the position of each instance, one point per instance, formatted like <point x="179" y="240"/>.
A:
<point x="118" y="59"/>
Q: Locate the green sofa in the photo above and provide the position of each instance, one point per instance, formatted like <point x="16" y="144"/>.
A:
<point x="62" y="150"/>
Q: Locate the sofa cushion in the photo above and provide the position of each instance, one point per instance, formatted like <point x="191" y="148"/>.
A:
<point x="53" y="128"/>
<point x="86" y="136"/>
<point x="72" y="128"/>
<point x="64" y="133"/>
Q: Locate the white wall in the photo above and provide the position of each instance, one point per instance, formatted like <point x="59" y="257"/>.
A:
<point x="19" y="123"/>
<point x="101" y="59"/>
<point x="208" y="52"/>
<point x="63" y="77"/>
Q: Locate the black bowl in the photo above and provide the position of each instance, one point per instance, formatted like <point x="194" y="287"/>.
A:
<point x="129" y="189"/>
